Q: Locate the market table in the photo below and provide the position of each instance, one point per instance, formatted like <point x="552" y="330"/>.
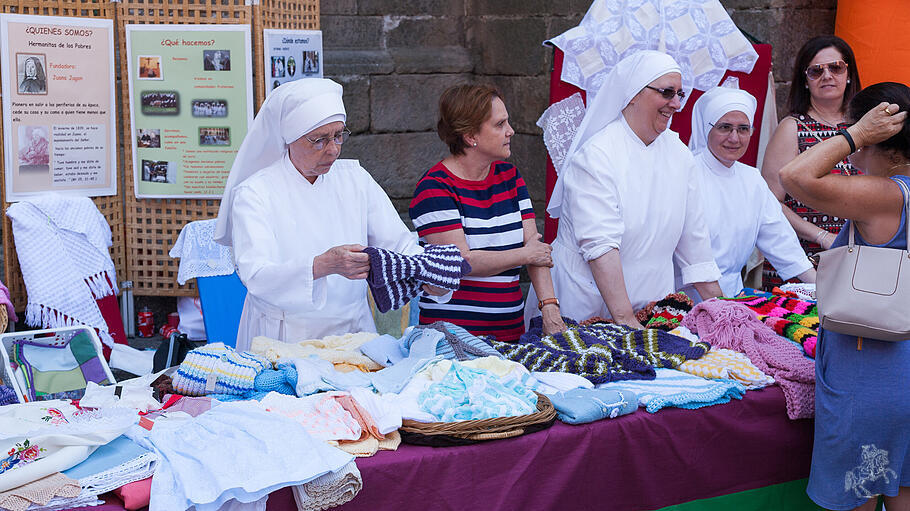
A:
<point x="639" y="461"/>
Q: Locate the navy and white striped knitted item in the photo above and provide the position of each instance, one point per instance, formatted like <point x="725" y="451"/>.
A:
<point x="395" y="278"/>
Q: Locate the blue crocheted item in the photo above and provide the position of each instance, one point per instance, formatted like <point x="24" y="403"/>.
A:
<point x="282" y="380"/>
<point x="7" y="396"/>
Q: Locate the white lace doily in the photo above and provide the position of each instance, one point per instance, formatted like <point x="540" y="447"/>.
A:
<point x="199" y="255"/>
<point x="559" y="123"/>
<point x="698" y="34"/>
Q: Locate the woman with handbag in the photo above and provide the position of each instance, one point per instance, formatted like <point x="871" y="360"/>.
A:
<point x="862" y="445"/>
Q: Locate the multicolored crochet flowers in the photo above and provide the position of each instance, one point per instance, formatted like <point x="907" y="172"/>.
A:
<point x="794" y="319"/>
<point x="218" y="369"/>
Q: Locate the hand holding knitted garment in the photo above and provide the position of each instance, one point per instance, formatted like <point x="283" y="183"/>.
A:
<point x="395" y="278"/>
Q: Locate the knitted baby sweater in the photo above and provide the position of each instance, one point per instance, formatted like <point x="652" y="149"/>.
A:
<point x="395" y="278"/>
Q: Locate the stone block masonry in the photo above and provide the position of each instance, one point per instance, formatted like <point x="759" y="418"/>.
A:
<point x="394" y="58"/>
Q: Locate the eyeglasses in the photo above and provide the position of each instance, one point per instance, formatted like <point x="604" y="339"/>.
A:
<point x="838" y="67"/>
<point x="726" y="128"/>
<point x="668" y="92"/>
<point x="339" y="138"/>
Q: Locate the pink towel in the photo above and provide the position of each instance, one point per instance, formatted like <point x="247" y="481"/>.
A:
<point x="730" y="325"/>
<point x="5" y="300"/>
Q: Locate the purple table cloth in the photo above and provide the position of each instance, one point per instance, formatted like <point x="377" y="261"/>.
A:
<point x="638" y="461"/>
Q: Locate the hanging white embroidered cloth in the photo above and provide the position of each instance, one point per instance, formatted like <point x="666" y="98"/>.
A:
<point x="63" y="247"/>
<point x="200" y="255"/>
<point x="698" y="34"/>
<point x="559" y="123"/>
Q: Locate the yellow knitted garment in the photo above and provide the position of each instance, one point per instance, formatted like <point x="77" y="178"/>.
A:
<point x="728" y="364"/>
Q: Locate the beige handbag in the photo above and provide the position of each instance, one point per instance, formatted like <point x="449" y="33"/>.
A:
<point x="865" y="291"/>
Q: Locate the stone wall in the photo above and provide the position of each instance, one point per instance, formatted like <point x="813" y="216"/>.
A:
<point x="394" y="58"/>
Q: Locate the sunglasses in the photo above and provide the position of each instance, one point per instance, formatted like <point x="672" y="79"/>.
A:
<point x="838" y="67"/>
<point x="668" y="93"/>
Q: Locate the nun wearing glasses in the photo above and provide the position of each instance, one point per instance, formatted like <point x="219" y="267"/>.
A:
<point x="298" y="219"/>
<point x="627" y="201"/>
<point x="744" y="212"/>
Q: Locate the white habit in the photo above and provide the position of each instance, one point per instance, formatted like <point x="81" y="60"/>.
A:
<point x="742" y="214"/>
<point x="619" y="193"/>
<point x="281" y="222"/>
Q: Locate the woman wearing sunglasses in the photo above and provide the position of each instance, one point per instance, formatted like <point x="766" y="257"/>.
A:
<point x="746" y="214"/>
<point x="825" y="78"/>
<point x="627" y="201"/>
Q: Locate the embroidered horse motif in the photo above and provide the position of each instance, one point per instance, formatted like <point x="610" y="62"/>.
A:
<point x="874" y="466"/>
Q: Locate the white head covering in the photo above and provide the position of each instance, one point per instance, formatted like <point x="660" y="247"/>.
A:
<point x="713" y="105"/>
<point x="627" y="79"/>
<point x="289" y="112"/>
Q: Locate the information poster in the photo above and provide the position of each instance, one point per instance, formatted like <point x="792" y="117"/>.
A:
<point x="59" y="120"/>
<point x="291" y="55"/>
<point x="191" y="102"/>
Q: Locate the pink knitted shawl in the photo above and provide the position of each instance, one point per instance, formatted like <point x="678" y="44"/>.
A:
<point x="733" y="326"/>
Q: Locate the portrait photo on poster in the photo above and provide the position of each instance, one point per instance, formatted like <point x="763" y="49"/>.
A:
<point x="311" y="62"/>
<point x="216" y="60"/>
<point x="149" y="138"/>
<point x="155" y="171"/>
<point x="150" y="68"/>
<point x="278" y="67"/>
<point x="214" y="136"/>
<point x="34" y="149"/>
<point x="160" y="102"/>
<point x="30" y="71"/>
<point x="209" y="107"/>
<point x="291" y="66"/>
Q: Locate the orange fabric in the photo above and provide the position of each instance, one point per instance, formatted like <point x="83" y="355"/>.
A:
<point x="877" y="32"/>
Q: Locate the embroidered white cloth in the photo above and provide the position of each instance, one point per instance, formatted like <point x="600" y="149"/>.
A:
<point x="698" y="34"/>
<point x="63" y="248"/>
<point x="200" y="255"/>
<point x="43" y="437"/>
<point x="559" y="123"/>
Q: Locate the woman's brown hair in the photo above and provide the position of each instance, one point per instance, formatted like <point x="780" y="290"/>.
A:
<point x="462" y="111"/>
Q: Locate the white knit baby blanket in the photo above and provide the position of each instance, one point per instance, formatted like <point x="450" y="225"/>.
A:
<point x="63" y="247"/>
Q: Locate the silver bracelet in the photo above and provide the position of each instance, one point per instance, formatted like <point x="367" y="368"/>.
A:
<point x="820" y="235"/>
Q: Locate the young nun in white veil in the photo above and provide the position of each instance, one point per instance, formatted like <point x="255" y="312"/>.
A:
<point x="742" y="213"/>
<point x="298" y="218"/>
<point x="627" y="202"/>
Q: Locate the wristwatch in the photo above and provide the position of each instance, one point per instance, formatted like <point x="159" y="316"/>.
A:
<point x="547" y="301"/>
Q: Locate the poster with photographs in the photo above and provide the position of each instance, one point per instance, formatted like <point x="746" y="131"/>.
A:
<point x="291" y="55"/>
<point x="191" y="103"/>
<point x="59" y="117"/>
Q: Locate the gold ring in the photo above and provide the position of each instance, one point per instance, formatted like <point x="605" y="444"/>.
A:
<point x="887" y="111"/>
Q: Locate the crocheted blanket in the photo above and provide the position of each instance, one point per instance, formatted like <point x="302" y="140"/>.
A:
<point x="794" y="319"/>
<point x="62" y="244"/>
<point x="396" y="278"/>
<point x="676" y="388"/>
<point x="731" y="325"/>
<point x="601" y="352"/>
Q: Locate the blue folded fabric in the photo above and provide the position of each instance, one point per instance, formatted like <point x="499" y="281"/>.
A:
<point x="385" y="350"/>
<point x="421" y="348"/>
<point x="580" y="406"/>
<point x="317" y="375"/>
<point x="119" y="451"/>
<point x="679" y="389"/>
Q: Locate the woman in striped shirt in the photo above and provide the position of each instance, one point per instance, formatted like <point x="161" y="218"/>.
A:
<point x="477" y="201"/>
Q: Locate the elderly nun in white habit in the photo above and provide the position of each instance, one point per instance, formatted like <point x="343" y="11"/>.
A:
<point x="742" y="213"/>
<point x="298" y="219"/>
<point x="627" y="203"/>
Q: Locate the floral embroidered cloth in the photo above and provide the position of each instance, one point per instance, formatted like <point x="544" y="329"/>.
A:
<point x="44" y="437"/>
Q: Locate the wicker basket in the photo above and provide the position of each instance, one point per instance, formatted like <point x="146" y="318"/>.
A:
<point x="465" y="432"/>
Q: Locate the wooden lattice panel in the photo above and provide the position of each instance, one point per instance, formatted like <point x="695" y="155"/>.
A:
<point x="152" y="225"/>
<point x="289" y="14"/>
<point x="111" y="207"/>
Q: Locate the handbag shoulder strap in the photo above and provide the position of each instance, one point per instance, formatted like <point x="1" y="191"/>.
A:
<point x="905" y="191"/>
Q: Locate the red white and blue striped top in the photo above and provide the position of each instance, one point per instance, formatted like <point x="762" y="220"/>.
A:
<point x="490" y="212"/>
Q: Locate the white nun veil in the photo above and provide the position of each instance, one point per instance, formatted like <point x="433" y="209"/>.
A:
<point x="290" y="111"/>
<point x="627" y="79"/>
<point x="713" y="105"/>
